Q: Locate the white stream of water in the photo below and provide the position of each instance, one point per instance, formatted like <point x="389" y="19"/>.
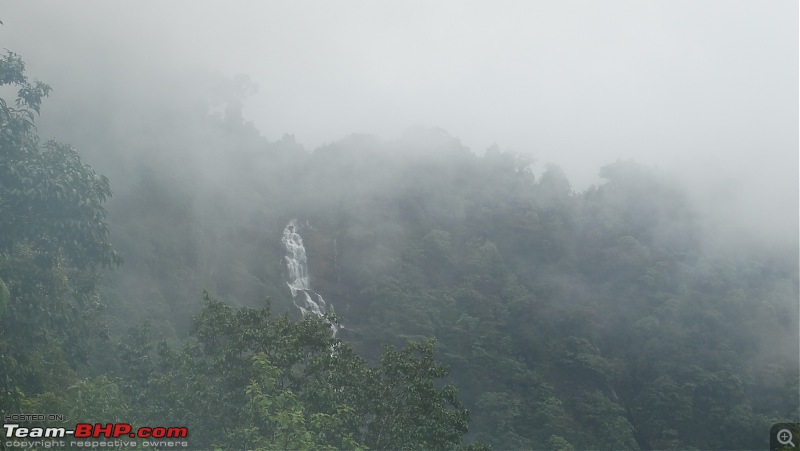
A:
<point x="304" y="298"/>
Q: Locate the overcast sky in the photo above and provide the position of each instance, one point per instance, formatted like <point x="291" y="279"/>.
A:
<point x="708" y="87"/>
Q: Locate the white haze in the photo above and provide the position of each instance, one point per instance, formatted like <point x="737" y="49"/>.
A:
<point x="708" y="89"/>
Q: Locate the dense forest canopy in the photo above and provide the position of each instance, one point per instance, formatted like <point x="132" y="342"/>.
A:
<point x="482" y="301"/>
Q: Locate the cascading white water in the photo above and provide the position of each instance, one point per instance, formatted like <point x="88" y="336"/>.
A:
<point x="304" y="298"/>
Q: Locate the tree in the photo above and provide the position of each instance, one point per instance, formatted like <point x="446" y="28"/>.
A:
<point x="49" y="198"/>
<point x="250" y="379"/>
<point x="411" y="412"/>
<point x="53" y="237"/>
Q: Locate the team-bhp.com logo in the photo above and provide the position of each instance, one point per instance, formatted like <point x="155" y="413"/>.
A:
<point x="89" y="433"/>
<point x="98" y="430"/>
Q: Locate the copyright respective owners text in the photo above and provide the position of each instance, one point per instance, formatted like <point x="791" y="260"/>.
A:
<point x="784" y="436"/>
<point x="55" y="431"/>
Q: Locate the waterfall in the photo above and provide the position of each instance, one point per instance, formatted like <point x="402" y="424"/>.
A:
<point x="304" y="298"/>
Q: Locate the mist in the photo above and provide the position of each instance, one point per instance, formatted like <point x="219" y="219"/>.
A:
<point x="707" y="91"/>
<point x="593" y="208"/>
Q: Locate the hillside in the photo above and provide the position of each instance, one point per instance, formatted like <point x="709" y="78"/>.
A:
<point x="603" y="318"/>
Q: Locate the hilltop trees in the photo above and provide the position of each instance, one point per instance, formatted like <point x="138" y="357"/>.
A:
<point x="594" y="319"/>
<point x="245" y="378"/>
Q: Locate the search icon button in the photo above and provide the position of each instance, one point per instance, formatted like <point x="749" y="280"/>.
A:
<point x="785" y="437"/>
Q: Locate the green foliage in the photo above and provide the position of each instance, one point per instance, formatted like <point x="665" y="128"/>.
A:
<point x="48" y="197"/>
<point x="414" y="413"/>
<point x="559" y="443"/>
<point x="96" y="401"/>
<point x="591" y="320"/>
<point x="53" y="236"/>
<point x="283" y="422"/>
<point x="558" y="311"/>
<point x="250" y="379"/>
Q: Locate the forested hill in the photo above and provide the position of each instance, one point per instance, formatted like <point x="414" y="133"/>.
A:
<point x="609" y="318"/>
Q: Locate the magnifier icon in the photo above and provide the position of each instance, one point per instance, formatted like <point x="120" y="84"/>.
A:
<point x="784" y="437"/>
